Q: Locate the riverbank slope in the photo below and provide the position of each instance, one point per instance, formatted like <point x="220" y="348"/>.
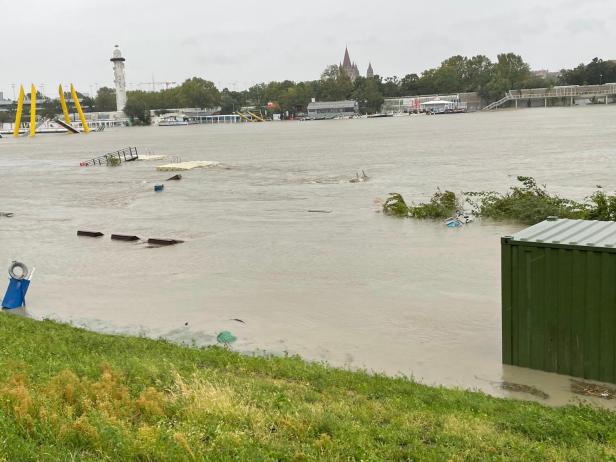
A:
<point x="70" y="394"/>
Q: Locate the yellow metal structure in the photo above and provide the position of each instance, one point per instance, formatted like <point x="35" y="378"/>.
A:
<point x="67" y="119"/>
<point x="84" y="123"/>
<point x="20" y="107"/>
<point x="244" y="117"/>
<point x="260" y="119"/>
<point x="32" y="110"/>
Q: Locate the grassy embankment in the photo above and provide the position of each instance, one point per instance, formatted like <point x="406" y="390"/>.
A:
<point x="69" y="394"/>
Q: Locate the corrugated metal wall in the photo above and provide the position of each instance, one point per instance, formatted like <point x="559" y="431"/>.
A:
<point x="559" y="309"/>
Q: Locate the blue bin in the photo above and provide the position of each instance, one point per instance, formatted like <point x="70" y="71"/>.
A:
<point x="15" y="296"/>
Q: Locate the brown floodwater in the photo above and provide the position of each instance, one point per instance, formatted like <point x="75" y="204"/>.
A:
<point x="352" y="287"/>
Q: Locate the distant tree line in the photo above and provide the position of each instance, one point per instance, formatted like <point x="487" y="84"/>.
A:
<point x="491" y="79"/>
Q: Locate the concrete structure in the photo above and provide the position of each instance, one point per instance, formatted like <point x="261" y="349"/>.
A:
<point x="567" y="95"/>
<point x="119" y="78"/>
<point x="332" y="109"/>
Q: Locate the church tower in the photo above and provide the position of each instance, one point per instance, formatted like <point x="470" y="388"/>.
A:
<point x="369" y="72"/>
<point x="349" y="68"/>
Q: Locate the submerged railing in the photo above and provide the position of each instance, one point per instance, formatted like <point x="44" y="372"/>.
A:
<point x="122" y="155"/>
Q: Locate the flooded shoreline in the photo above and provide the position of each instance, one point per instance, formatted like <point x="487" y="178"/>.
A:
<point x="351" y="287"/>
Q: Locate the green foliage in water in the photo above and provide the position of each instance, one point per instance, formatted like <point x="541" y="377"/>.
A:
<point x="601" y="206"/>
<point x="113" y="160"/>
<point x="68" y="394"/>
<point x="395" y="206"/>
<point x="528" y="203"/>
<point x="441" y="205"/>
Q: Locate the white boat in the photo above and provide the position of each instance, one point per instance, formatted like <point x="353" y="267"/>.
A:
<point x="172" y="120"/>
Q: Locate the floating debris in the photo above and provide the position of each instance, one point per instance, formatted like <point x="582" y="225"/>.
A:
<point x="151" y="157"/>
<point x="182" y="166"/>
<point x="238" y="320"/>
<point x="164" y="241"/>
<point x="6" y="214"/>
<point x="521" y="388"/>
<point x="320" y="211"/>
<point x="123" y="237"/>
<point x="175" y="177"/>
<point x="159" y="187"/>
<point x="89" y="233"/>
<point x="580" y="387"/>
<point x="359" y="178"/>
<point x="226" y="337"/>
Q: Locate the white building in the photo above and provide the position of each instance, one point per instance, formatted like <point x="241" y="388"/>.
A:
<point x="119" y="78"/>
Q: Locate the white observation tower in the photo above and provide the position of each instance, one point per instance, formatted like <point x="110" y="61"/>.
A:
<point x="119" y="78"/>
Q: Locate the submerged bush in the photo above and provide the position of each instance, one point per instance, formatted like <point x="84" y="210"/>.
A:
<point x="441" y="205"/>
<point x="395" y="206"/>
<point x="113" y="160"/>
<point x="527" y="203"/>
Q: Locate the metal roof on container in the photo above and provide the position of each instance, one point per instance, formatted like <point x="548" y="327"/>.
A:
<point x="586" y="233"/>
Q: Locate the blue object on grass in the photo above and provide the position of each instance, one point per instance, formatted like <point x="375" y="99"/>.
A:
<point x="15" y="296"/>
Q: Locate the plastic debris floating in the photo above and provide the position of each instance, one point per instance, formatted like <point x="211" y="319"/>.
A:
<point x="226" y="337"/>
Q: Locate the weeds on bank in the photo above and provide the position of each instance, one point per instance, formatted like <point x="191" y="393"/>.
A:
<point x="527" y="203"/>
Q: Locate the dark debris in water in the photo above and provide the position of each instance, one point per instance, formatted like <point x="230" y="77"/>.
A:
<point x="580" y="387"/>
<point x="521" y="388"/>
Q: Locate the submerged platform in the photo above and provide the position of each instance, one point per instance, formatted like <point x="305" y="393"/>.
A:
<point x="182" y="166"/>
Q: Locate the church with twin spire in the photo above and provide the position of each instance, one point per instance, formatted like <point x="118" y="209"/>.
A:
<point x="350" y="68"/>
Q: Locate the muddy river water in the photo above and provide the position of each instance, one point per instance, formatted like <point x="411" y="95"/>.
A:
<point x="352" y="287"/>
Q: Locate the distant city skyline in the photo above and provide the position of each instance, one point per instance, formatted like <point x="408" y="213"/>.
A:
<point x="252" y="42"/>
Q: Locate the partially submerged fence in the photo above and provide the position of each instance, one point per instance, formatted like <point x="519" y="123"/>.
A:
<point x="123" y="155"/>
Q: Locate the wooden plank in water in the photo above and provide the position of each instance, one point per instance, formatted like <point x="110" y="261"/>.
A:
<point x="89" y="233"/>
<point x="164" y="241"/>
<point x="123" y="237"/>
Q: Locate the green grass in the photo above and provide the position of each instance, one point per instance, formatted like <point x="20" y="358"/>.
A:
<point x="70" y="394"/>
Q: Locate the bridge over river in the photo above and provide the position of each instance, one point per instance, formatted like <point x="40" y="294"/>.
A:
<point x="567" y="93"/>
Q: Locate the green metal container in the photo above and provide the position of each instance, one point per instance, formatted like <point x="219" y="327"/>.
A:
<point x="559" y="298"/>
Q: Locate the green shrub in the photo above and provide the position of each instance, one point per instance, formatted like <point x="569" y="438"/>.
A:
<point x="527" y="203"/>
<point x="395" y="206"/>
<point x="113" y="160"/>
<point x="441" y="205"/>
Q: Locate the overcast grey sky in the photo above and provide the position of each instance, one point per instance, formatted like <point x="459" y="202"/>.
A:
<point x="241" y="42"/>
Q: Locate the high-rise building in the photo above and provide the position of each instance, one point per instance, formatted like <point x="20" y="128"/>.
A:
<point x="369" y="72"/>
<point x="119" y="78"/>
